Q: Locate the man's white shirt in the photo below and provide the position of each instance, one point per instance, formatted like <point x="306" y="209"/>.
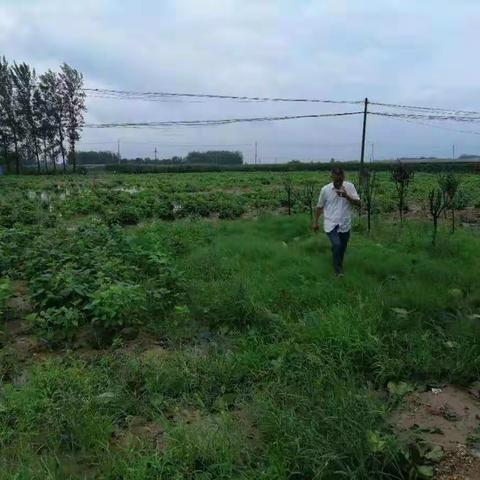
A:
<point x="337" y="210"/>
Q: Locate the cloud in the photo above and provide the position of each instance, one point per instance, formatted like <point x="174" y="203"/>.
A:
<point x="389" y="50"/>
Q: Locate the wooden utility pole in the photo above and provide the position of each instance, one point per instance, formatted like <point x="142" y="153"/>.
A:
<point x="118" y="150"/>
<point x="362" y="157"/>
<point x="155" y="153"/>
<point x="255" y="152"/>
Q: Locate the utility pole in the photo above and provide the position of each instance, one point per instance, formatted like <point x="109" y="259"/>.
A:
<point x="118" y="150"/>
<point x="362" y="157"/>
<point x="453" y="152"/>
<point x="255" y="152"/>
<point x="155" y="153"/>
<point x="371" y="155"/>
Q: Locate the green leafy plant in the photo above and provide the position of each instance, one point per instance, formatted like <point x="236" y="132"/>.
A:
<point x="117" y="305"/>
<point x="57" y="324"/>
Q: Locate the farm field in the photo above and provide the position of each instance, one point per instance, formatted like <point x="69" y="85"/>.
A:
<point x="183" y="326"/>
<point x="129" y="199"/>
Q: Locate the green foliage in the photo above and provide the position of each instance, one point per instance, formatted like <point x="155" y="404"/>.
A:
<point x="57" y="324"/>
<point x="99" y="279"/>
<point x="117" y="305"/>
<point x="251" y="360"/>
<point x="5" y="293"/>
<point x="220" y="157"/>
<point x="175" y="167"/>
<point x="402" y="174"/>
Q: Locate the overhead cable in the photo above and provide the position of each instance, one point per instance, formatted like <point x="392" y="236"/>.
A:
<point x="135" y="95"/>
<point x="193" y="123"/>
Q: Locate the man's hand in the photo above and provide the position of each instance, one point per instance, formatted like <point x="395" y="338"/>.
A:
<point x="343" y="193"/>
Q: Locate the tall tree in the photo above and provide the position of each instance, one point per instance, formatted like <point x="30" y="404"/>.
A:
<point x="51" y="88"/>
<point x="53" y="123"/>
<point x="73" y="96"/>
<point x="8" y="106"/>
<point x="24" y="80"/>
<point x="5" y="136"/>
<point x="41" y="122"/>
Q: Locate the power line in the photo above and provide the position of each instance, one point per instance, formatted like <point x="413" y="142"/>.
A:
<point x="192" y="144"/>
<point x="444" y="128"/>
<point x="427" y="109"/>
<point x="472" y="132"/>
<point x="456" y="118"/>
<point x="191" y="123"/>
<point x="164" y="96"/>
<point x="135" y="95"/>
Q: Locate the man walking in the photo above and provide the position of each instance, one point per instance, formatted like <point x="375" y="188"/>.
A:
<point x="335" y="202"/>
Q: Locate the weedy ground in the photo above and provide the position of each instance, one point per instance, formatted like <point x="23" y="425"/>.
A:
<point x="251" y="361"/>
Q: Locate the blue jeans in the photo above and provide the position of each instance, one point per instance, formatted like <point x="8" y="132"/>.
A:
<point x="339" y="241"/>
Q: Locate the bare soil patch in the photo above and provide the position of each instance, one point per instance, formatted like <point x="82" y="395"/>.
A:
<point x="449" y="418"/>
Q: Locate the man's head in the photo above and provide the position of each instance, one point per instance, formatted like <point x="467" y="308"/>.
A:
<point x="338" y="176"/>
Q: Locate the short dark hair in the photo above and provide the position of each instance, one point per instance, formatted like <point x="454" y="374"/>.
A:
<point x="337" y="170"/>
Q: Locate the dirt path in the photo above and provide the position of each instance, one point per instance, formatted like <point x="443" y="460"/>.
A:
<point x="447" y="418"/>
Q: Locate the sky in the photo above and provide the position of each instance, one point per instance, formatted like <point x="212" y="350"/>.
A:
<point x="394" y="51"/>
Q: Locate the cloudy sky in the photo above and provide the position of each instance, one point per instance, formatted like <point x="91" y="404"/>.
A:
<point x="396" y="51"/>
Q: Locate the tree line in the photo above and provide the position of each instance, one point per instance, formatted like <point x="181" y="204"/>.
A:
<point x="41" y="116"/>
<point x="212" y="157"/>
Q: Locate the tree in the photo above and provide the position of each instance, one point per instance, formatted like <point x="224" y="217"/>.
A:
<point x="50" y="87"/>
<point x="97" y="158"/>
<point x="402" y="175"/>
<point x="215" y="157"/>
<point x="288" y="187"/>
<point x="368" y="194"/>
<point x="24" y="80"/>
<point x="308" y="194"/>
<point x="449" y="185"/>
<point x="46" y="103"/>
<point x="438" y="203"/>
<point x="12" y="128"/>
<point x="73" y="100"/>
<point x="5" y="136"/>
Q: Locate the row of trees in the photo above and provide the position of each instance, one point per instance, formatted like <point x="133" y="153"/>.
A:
<point x="215" y="157"/>
<point x="442" y="197"/>
<point x="40" y="116"/>
<point x="96" y="158"/>
<point x="212" y="157"/>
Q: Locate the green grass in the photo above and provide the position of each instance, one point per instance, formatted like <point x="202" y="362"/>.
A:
<point x="271" y="368"/>
<point x="274" y="368"/>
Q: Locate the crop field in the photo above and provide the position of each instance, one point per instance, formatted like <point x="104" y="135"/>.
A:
<point x="185" y="326"/>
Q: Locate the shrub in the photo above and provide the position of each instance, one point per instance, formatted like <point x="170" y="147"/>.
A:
<point x="57" y="324"/>
<point x="117" y="305"/>
<point x="125" y="215"/>
<point x="461" y="200"/>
